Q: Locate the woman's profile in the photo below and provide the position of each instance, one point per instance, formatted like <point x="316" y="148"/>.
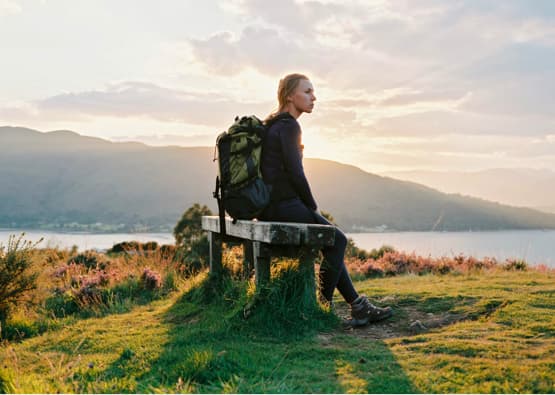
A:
<point x="292" y="200"/>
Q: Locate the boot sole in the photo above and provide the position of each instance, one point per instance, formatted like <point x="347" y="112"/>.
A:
<point x="367" y="321"/>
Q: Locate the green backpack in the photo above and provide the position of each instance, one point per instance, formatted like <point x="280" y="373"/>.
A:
<point x="240" y="189"/>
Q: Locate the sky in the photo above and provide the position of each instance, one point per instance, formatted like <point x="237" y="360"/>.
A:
<point x="458" y="85"/>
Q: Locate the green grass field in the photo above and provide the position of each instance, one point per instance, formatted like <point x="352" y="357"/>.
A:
<point x="492" y="331"/>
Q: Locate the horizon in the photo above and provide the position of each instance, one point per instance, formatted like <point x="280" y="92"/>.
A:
<point x="307" y="157"/>
<point x="461" y="87"/>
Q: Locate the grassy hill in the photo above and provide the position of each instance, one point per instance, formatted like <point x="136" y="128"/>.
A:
<point x="142" y="322"/>
<point x="63" y="180"/>
<point x="486" y="334"/>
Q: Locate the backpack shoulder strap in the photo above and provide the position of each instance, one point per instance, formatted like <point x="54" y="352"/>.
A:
<point x="221" y="210"/>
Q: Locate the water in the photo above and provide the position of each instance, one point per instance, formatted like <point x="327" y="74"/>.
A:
<point x="84" y="241"/>
<point x="534" y="246"/>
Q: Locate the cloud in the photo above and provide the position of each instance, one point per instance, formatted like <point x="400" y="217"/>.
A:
<point x="473" y="123"/>
<point x="283" y="13"/>
<point x="220" y="53"/>
<point x="274" y="53"/>
<point x="444" y="152"/>
<point x="9" y="7"/>
<point x="415" y="97"/>
<point x="469" y="145"/>
<point x="424" y="46"/>
<point x="262" y="48"/>
<point x="331" y="117"/>
<point x="17" y="111"/>
<point x="141" y="99"/>
<point x="421" y="74"/>
<point x="426" y="68"/>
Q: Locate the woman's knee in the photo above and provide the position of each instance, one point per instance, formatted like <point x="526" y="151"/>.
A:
<point x="340" y="239"/>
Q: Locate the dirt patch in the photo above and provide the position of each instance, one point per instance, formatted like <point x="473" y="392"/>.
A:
<point x="406" y="321"/>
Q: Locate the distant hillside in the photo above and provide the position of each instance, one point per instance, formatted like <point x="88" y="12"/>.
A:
<point x="64" y="179"/>
<point x="518" y="187"/>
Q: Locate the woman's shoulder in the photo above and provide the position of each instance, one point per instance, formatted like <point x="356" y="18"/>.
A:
<point x="283" y="121"/>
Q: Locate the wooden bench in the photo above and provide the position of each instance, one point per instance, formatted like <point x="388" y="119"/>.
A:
<point x="262" y="239"/>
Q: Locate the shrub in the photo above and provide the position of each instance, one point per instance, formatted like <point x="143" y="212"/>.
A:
<point x="62" y="303"/>
<point x="89" y="295"/>
<point x="387" y="261"/>
<point x="170" y="282"/>
<point x="189" y="228"/>
<point x="352" y="251"/>
<point x="377" y="254"/>
<point x="53" y="255"/>
<point x="151" y="280"/>
<point x="191" y="242"/>
<point x="19" y="329"/>
<point x="192" y="257"/>
<point x="167" y="251"/>
<point x="15" y="279"/>
<point x="89" y="259"/>
<point x="124" y="246"/>
<point x="149" y="246"/>
<point x="515" y="265"/>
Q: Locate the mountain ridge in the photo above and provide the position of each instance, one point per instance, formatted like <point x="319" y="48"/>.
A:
<point x="62" y="179"/>
<point x="520" y="187"/>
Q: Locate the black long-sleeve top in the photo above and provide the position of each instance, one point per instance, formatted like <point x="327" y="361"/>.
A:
<point x="282" y="161"/>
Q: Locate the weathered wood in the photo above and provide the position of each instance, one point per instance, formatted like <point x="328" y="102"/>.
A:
<point x="275" y="233"/>
<point x="319" y="235"/>
<point x="263" y="239"/>
<point x="248" y="258"/>
<point x="307" y="257"/>
<point x="215" y="245"/>
<point x="262" y="258"/>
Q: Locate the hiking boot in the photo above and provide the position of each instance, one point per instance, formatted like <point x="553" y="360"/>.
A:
<point x="363" y="312"/>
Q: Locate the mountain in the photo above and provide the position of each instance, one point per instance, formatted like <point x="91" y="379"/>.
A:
<point x="534" y="188"/>
<point x="64" y="180"/>
<point x="62" y="177"/>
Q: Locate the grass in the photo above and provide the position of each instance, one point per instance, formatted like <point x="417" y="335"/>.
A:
<point x="487" y="332"/>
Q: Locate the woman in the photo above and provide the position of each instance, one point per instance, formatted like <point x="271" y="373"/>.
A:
<point x="292" y="200"/>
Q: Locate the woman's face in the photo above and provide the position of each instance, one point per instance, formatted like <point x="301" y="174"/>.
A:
<point x="303" y="97"/>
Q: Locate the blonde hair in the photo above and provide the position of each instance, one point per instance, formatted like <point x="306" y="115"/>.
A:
<point x="287" y="86"/>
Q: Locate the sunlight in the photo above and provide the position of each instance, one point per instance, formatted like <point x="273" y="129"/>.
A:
<point x="350" y="382"/>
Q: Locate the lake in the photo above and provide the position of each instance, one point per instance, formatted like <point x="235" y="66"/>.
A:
<point x="534" y="246"/>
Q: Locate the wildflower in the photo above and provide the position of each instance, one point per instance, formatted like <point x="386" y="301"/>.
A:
<point x="151" y="279"/>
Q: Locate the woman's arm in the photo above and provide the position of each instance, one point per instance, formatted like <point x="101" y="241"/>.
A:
<point x="292" y="155"/>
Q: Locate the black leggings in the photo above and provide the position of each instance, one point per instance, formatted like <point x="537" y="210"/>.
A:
<point x="333" y="273"/>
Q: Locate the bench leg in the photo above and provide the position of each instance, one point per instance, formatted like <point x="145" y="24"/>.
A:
<point x="248" y="259"/>
<point x="215" y="253"/>
<point x="306" y="266"/>
<point x="262" y="257"/>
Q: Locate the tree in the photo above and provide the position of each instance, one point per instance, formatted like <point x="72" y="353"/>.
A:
<point x="190" y="240"/>
<point x="189" y="228"/>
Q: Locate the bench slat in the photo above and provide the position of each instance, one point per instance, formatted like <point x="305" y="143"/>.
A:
<point x="277" y="233"/>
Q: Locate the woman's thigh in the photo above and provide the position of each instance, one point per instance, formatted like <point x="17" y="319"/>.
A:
<point x="293" y="210"/>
